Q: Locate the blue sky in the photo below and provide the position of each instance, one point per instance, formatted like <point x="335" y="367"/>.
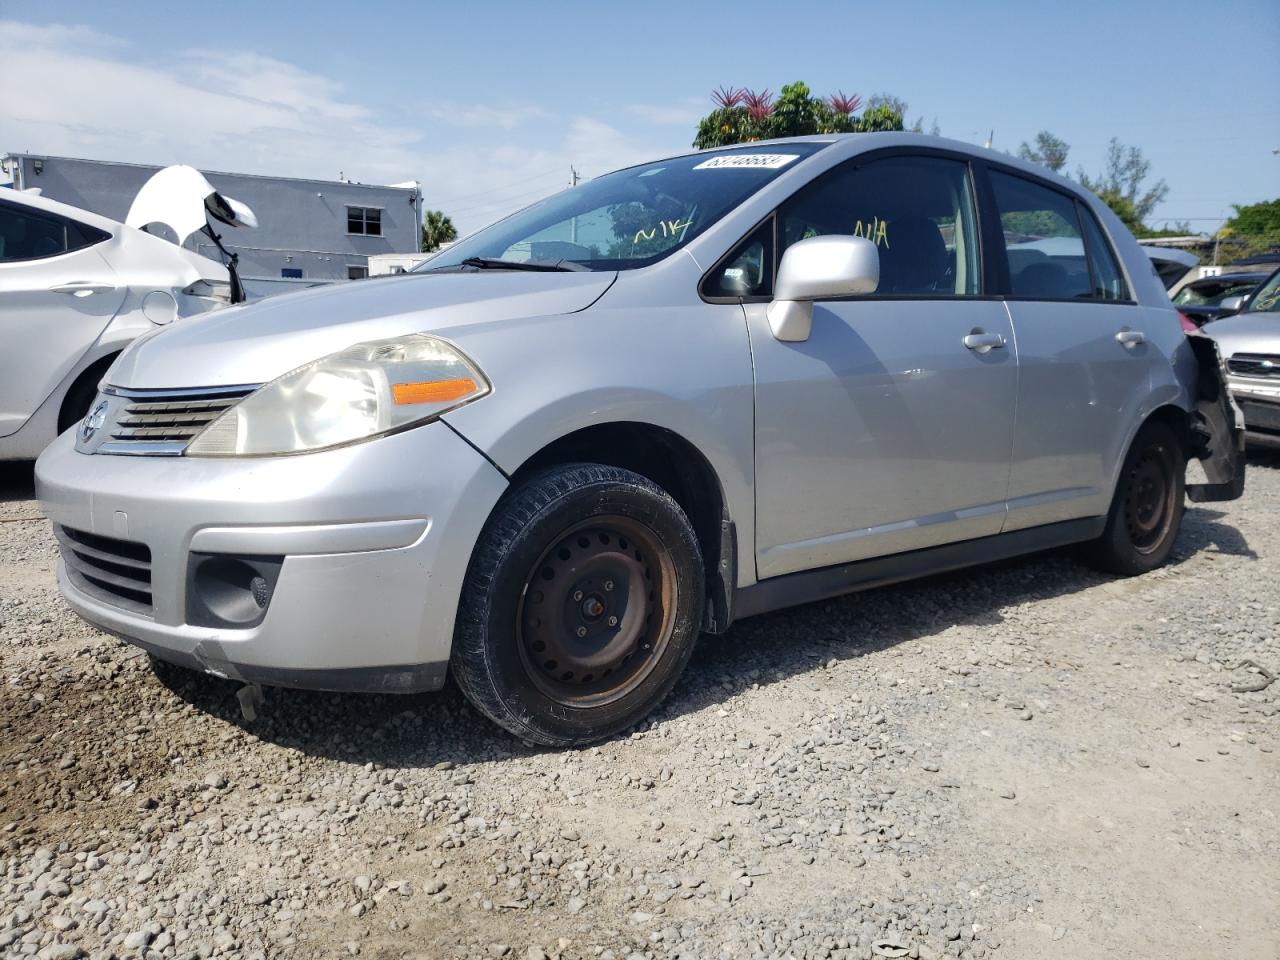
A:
<point x="489" y="104"/>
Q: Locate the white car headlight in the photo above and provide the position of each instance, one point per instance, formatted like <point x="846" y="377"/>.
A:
<point x="364" y="391"/>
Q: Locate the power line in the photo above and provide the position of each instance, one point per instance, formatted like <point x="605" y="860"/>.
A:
<point x="502" y="201"/>
<point x="508" y="186"/>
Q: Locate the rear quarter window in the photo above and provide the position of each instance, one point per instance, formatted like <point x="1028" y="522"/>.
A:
<point x="1055" y="246"/>
<point x="34" y="235"/>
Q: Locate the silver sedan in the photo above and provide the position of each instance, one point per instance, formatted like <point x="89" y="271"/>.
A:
<point x="683" y="393"/>
<point x="1250" y="344"/>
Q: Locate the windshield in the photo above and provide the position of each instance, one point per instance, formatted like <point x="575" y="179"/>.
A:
<point x="1212" y="293"/>
<point x="1267" y="299"/>
<point x="626" y="219"/>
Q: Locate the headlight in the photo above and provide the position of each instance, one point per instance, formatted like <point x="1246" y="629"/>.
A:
<point x="365" y="391"/>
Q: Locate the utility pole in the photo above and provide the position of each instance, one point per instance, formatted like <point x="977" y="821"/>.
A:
<point x="573" y="224"/>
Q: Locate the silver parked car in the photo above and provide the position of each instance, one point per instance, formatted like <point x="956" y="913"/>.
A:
<point x="1250" y="344"/>
<point x="680" y="394"/>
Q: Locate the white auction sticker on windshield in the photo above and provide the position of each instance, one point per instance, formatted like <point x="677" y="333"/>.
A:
<point x="763" y="161"/>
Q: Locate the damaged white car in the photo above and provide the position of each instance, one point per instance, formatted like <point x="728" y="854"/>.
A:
<point x="77" y="288"/>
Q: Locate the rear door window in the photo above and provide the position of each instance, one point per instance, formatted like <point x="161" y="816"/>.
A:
<point x="1108" y="281"/>
<point x="1042" y="240"/>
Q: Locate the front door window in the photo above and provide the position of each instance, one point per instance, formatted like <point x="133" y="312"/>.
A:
<point x="918" y="211"/>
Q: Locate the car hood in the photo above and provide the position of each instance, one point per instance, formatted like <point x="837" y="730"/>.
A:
<point x="1246" y="333"/>
<point x="258" y="342"/>
<point x="1170" y="264"/>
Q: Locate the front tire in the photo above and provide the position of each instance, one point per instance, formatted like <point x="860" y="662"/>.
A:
<point x="581" y="605"/>
<point x="1146" y="512"/>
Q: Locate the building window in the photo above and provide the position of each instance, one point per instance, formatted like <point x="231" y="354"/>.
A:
<point x="357" y="273"/>
<point x="364" y="221"/>
<point x="291" y="273"/>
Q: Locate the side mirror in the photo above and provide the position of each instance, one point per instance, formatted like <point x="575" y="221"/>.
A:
<point x="815" y="269"/>
<point x="1231" y="304"/>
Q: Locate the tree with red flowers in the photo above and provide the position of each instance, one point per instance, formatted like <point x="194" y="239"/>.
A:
<point x="742" y="115"/>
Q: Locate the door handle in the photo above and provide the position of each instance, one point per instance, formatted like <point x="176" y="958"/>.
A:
<point x="1131" y="338"/>
<point x="81" y="288"/>
<point x="981" y="342"/>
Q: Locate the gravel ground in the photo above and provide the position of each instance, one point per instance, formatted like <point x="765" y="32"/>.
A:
<point x="1025" y="760"/>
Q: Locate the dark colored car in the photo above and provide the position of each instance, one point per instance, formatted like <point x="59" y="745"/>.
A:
<point x="1210" y="298"/>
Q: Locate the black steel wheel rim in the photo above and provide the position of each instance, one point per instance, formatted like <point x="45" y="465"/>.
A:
<point x="596" y="612"/>
<point x="1149" y="507"/>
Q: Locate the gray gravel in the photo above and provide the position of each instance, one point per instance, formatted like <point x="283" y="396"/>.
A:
<point x="1025" y="760"/>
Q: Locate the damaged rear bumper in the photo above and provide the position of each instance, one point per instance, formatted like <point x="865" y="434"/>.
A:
<point x="1217" y="428"/>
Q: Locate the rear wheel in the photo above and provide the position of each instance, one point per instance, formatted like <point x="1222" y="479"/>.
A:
<point x="581" y="606"/>
<point x="1146" y="512"/>
<point x="81" y="393"/>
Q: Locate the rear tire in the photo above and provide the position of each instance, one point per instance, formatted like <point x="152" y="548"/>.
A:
<point x="80" y="394"/>
<point x="581" y="605"/>
<point x="1146" y="512"/>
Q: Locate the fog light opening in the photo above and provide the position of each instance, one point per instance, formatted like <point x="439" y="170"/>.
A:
<point x="224" y="590"/>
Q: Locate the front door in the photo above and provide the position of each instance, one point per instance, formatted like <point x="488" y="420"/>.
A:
<point x="884" y="431"/>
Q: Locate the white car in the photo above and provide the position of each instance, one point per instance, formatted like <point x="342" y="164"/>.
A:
<point x="77" y="288"/>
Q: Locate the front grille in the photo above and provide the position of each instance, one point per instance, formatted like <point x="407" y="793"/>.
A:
<point x="1260" y="365"/>
<point x="114" y="571"/>
<point x="163" y="422"/>
<point x="171" y="418"/>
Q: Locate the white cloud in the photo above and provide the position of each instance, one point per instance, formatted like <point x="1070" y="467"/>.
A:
<point x="71" y="37"/>
<point x="477" y="185"/>
<point x="71" y="91"/>
<point x="485" y="115"/>
<point x="685" y="113"/>
<point x="76" y="92"/>
<point x="260" y="79"/>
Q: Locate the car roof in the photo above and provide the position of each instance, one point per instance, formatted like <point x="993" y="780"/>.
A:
<point x="854" y="143"/>
<point x="37" y="202"/>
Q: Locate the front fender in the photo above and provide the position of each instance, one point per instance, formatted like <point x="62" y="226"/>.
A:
<point x="684" y="369"/>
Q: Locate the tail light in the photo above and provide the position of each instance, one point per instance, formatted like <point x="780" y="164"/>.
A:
<point x="1188" y="326"/>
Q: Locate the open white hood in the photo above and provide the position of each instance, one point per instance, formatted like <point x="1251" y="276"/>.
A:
<point x="182" y="199"/>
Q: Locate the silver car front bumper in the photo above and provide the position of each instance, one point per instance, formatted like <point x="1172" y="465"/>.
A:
<point x="1259" y="401"/>
<point x="372" y="543"/>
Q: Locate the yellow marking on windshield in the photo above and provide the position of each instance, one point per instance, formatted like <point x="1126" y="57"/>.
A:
<point x="669" y="228"/>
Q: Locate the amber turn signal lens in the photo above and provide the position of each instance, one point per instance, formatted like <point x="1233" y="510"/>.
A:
<point x="432" y="391"/>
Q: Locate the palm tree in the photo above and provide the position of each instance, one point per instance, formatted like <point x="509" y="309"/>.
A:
<point x="437" y="228"/>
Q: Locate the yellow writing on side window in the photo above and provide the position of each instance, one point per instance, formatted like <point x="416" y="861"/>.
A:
<point x="669" y="228"/>
<point x="875" y="230"/>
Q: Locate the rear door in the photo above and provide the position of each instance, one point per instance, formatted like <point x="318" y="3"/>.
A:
<point x="57" y="295"/>
<point x="884" y="431"/>
<point x="1084" y="363"/>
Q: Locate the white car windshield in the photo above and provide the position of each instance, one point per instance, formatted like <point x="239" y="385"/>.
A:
<point x="626" y="219"/>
